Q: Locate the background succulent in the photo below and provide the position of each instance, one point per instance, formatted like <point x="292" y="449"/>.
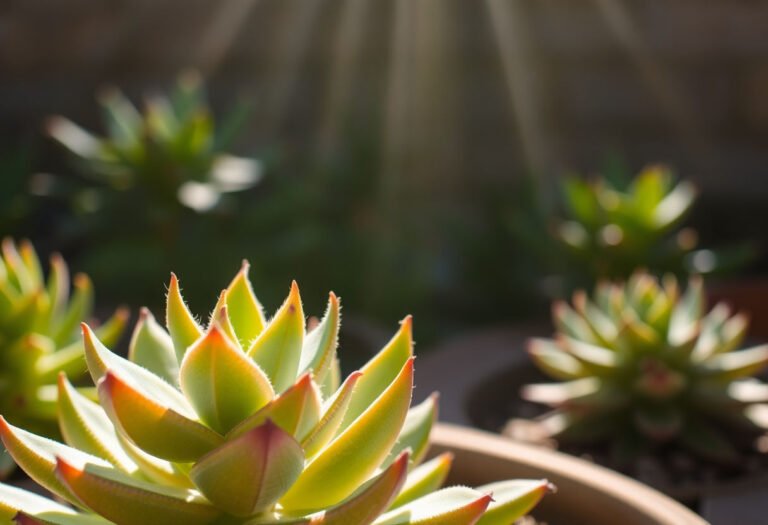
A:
<point x="614" y="228"/>
<point x="39" y="335"/>
<point x="247" y="421"/>
<point x="169" y="160"/>
<point x="643" y="364"/>
<point x="172" y="154"/>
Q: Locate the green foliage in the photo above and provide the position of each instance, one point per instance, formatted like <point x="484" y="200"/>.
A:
<point x="615" y="231"/>
<point x="244" y="421"/>
<point x="643" y="365"/>
<point x="39" y="333"/>
<point x="171" y="155"/>
<point x="614" y="225"/>
<point x="152" y="189"/>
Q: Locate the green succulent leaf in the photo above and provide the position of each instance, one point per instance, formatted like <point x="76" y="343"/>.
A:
<point x="37" y="456"/>
<point x="152" y="348"/>
<point x="153" y="427"/>
<point x="512" y="500"/>
<point x="128" y="501"/>
<point x="333" y="414"/>
<point x="36" y="509"/>
<point x="221" y="382"/>
<point x="249" y="473"/>
<point x="181" y="324"/>
<point x="380" y="371"/>
<point x="414" y="435"/>
<point x="319" y="347"/>
<point x="296" y="410"/>
<point x="86" y="427"/>
<point x="356" y="453"/>
<point x="451" y="506"/>
<point x="246" y="313"/>
<point x="558" y="364"/>
<point x="424" y="479"/>
<point x="277" y="350"/>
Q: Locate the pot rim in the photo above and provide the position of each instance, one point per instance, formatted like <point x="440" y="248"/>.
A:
<point x="598" y="487"/>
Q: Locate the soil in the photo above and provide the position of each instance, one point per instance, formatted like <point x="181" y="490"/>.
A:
<point x="496" y="406"/>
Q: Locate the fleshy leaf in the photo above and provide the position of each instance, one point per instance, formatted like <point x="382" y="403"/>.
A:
<point x="37" y="457"/>
<point x="245" y="311"/>
<point x="512" y="500"/>
<point x="554" y="361"/>
<point x="424" y="479"/>
<point x="356" y="453"/>
<point x="380" y="371"/>
<point x="101" y="360"/>
<point x="363" y="506"/>
<point x="451" y="506"/>
<point x="14" y="500"/>
<point x="181" y="324"/>
<point x="155" y="428"/>
<point x="277" y="350"/>
<point x="86" y="427"/>
<point x="79" y="308"/>
<point x="735" y="365"/>
<point x="333" y="413"/>
<point x="295" y="411"/>
<point x="128" y="501"/>
<point x="414" y="435"/>
<point x="221" y="382"/>
<point x="248" y="474"/>
<point x="320" y="344"/>
<point x="152" y="348"/>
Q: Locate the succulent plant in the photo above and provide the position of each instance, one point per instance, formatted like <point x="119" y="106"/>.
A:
<point x="39" y="333"/>
<point x="643" y="365"/>
<point x="171" y="154"/>
<point x="39" y="336"/>
<point x="246" y="421"/>
<point x="614" y="231"/>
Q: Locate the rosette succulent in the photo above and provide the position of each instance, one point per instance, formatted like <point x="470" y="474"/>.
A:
<point x="614" y="230"/>
<point x="246" y="421"/>
<point x="643" y="364"/>
<point x="171" y="153"/>
<point x="39" y="334"/>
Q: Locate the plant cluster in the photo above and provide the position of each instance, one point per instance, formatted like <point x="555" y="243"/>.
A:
<point x="643" y="364"/>
<point x="246" y="421"/>
<point x="171" y="154"/>
<point x="39" y="335"/>
<point x="614" y="230"/>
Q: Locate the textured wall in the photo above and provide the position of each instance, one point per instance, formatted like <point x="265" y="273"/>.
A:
<point x="459" y="91"/>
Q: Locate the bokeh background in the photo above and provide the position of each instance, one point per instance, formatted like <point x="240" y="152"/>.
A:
<point x="404" y="143"/>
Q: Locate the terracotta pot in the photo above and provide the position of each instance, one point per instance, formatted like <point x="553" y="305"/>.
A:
<point x="468" y="372"/>
<point x="586" y="494"/>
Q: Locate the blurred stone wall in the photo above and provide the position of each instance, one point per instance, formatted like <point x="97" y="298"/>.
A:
<point x="482" y="90"/>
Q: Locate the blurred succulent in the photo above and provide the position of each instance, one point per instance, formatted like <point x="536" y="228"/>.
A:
<point x="615" y="231"/>
<point x="172" y="154"/>
<point x="39" y="334"/>
<point x="247" y="422"/>
<point x="643" y="365"/>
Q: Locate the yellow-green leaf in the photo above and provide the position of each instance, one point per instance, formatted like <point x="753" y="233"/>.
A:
<point x="379" y="372"/>
<point x="155" y="428"/>
<point x="181" y="324"/>
<point x="221" y="382"/>
<point x="355" y="454"/>
<point x="320" y="344"/>
<point x="152" y="348"/>
<point x="296" y="410"/>
<point x="277" y="350"/>
<point x="128" y="501"/>
<point x="248" y="474"/>
<point x="245" y="311"/>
